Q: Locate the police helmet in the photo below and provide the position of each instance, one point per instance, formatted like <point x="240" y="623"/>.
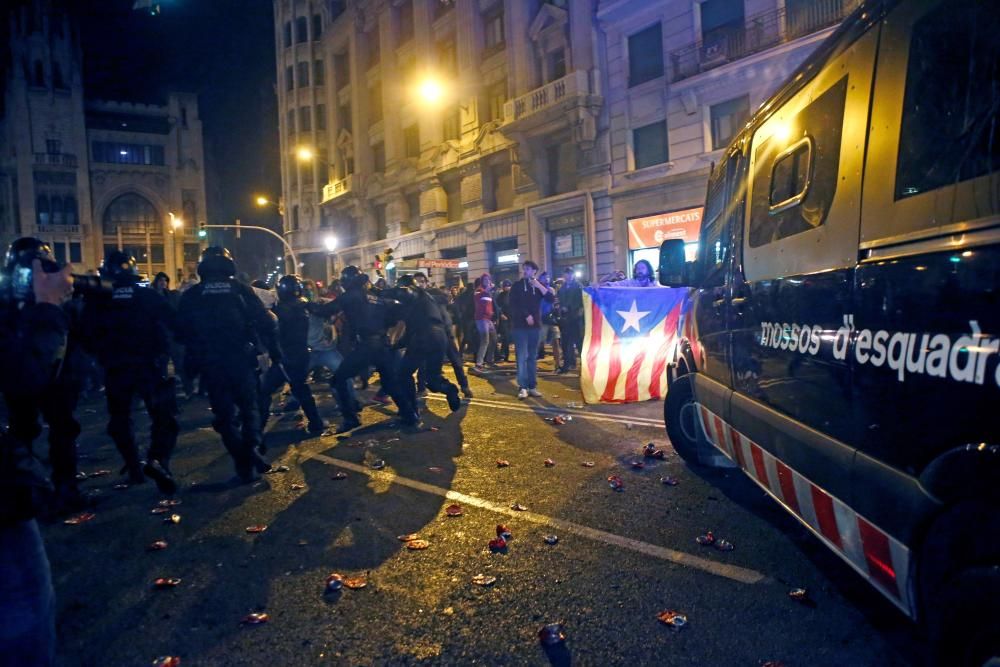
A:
<point x="405" y="281"/>
<point x="352" y="276"/>
<point x="216" y="262"/>
<point x="289" y="287"/>
<point x="118" y="264"/>
<point x="18" y="265"/>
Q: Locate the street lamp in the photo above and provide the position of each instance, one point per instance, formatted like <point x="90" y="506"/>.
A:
<point x="262" y="201"/>
<point x="304" y="154"/>
<point x="430" y="91"/>
<point x="330" y="242"/>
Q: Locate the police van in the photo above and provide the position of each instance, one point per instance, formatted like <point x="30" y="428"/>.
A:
<point x="842" y="341"/>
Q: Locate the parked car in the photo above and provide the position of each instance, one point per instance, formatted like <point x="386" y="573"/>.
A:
<point x="843" y="339"/>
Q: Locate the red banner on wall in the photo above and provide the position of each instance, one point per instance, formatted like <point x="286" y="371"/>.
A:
<point x="652" y="230"/>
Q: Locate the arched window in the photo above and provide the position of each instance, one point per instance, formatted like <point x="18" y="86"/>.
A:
<point x="39" y="74"/>
<point x="133" y="214"/>
<point x="44" y="213"/>
<point x="57" y="210"/>
<point x="69" y="210"/>
<point x="301" y="30"/>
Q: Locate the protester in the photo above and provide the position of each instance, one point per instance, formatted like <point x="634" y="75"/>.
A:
<point x="642" y="276"/>
<point x="570" y="319"/>
<point x="526" y="296"/>
<point x="485" y="327"/>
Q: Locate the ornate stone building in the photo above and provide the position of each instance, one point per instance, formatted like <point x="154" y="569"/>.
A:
<point x="88" y="175"/>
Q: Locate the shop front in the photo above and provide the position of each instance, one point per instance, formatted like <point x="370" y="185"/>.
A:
<point x="645" y="234"/>
<point x="505" y="260"/>
<point x="568" y="245"/>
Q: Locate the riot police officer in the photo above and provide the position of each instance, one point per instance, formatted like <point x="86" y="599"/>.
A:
<point x="223" y="324"/>
<point x="426" y="343"/>
<point x="57" y="404"/>
<point x="293" y="332"/>
<point x="129" y="330"/>
<point x="368" y="315"/>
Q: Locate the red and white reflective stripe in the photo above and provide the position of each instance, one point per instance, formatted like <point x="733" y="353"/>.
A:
<point x="882" y="559"/>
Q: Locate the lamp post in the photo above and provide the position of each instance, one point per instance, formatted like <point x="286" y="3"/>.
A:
<point x="176" y="224"/>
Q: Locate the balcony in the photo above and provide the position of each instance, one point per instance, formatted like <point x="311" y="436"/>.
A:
<point x="758" y="32"/>
<point x="57" y="159"/>
<point x="336" y="189"/>
<point x="565" y="102"/>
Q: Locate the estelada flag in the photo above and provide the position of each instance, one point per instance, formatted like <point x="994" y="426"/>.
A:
<point x="629" y="336"/>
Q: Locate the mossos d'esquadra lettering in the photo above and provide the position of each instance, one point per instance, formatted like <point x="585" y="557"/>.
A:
<point x="935" y="354"/>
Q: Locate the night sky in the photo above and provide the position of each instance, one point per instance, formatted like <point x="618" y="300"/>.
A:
<point x="223" y="50"/>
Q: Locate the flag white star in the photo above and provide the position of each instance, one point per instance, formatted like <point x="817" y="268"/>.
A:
<point x="632" y="317"/>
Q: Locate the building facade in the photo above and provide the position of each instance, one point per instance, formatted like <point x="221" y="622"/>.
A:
<point x="89" y="176"/>
<point x="469" y="135"/>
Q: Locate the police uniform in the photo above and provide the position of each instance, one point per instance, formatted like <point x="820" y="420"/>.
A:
<point x="222" y="322"/>
<point x="293" y="333"/>
<point x="128" y="331"/>
<point x="368" y="315"/>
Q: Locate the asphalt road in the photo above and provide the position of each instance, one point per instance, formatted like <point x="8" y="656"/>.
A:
<point x="621" y="558"/>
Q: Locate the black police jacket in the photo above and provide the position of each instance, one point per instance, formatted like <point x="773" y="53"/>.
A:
<point x="368" y="313"/>
<point x="129" y="326"/>
<point x="293" y="327"/>
<point x="221" y="319"/>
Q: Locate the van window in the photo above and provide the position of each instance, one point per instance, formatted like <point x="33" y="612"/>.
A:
<point x="949" y="127"/>
<point x="796" y="170"/>
<point x="725" y="193"/>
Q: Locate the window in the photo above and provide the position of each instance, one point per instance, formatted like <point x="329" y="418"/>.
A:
<point x="381" y="226"/>
<point x="303" y="74"/>
<point x="453" y="191"/>
<point x="320" y="116"/>
<point x="378" y="156"/>
<point x="496" y="95"/>
<point x="790" y="176"/>
<point x="289" y="78"/>
<point x="567" y="244"/>
<point x="406" y="22"/>
<point x="373" y="47"/>
<point x="109" y="152"/>
<point x="413" y="208"/>
<point x="75" y="253"/>
<point x="493" y="30"/>
<point x="192" y="252"/>
<point x="447" y="56"/>
<point x="305" y="119"/>
<point x="499" y="191"/>
<point x="156" y="253"/>
<point x="452" y="124"/>
<point x="53" y="146"/>
<point x="411" y="141"/>
<point x="721" y="21"/>
<point x="727" y="120"/>
<point x="57" y="77"/>
<point x="319" y="76"/>
<point x="552" y="169"/>
<point x="57" y="209"/>
<point x="713" y="248"/>
<point x="649" y="144"/>
<point x="69" y="212"/>
<point x="342" y="69"/>
<point x="288" y="34"/>
<point x="317" y="27"/>
<point x="344" y="117"/>
<point x="290" y="121"/>
<point x="39" y="74"/>
<point x="556" y="64"/>
<point x="131" y="213"/>
<point x="301" y="30"/>
<point x="795" y="175"/>
<point x="949" y="132"/>
<point x="645" y="55"/>
<point x="43" y="211"/>
<point x="375" y="103"/>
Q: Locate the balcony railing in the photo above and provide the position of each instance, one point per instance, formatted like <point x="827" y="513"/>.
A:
<point x="758" y="32"/>
<point x="539" y="99"/>
<point x="60" y="159"/>
<point x="335" y="189"/>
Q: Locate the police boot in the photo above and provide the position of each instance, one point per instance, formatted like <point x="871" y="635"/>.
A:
<point x="160" y="473"/>
<point x="466" y="391"/>
<point x="454" y="402"/>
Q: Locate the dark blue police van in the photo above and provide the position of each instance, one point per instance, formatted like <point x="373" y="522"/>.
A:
<point x="843" y="341"/>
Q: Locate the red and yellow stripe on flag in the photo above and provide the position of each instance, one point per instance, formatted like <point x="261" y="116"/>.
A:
<point x="629" y="336"/>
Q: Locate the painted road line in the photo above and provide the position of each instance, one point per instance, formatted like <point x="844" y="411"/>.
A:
<point x="732" y="572"/>
<point x="577" y="414"/>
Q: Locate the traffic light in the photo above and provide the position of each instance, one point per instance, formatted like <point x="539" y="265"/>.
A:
<point x="202" y="232"/>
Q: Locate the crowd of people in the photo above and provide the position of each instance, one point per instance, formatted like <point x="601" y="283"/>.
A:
<point x="239" y="342"/>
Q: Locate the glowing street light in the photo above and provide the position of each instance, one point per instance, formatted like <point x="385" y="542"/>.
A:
<point x="175" y="222"/>
<point x="304" y="154"/>
<point x="430" y="91"/>
<point x="262" y="201"/>
<point x="330" y="242"/>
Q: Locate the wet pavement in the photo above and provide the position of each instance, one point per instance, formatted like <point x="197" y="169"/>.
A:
<point x="621" y="558"/>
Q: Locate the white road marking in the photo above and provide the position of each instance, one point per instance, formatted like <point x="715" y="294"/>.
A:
<point x="732" y="572"/>
<point x="577" y="414"/>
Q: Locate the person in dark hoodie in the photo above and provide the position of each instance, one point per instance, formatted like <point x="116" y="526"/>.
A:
<point x="526" y="296"/>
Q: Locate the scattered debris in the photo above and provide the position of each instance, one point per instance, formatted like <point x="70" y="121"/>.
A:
<point x="637" y="465"/>
<point x="297" y="487"/>
<point x="503" y="532"/>
<point x="453" y="510"/>
<point x="417" y="545"/>
<point x="588" y="464"/>
<point x="436" y="469"/>
<point x="169" y="502"/>
<point x="484" y="580"/>
<point x="159" y="510"/>
<point x="166" y="582"/>
<point x="355" y="583"/>
<point x="669" y="481"/>
<point x="167" y="661"/>
<point x="339" y="475"/>
<point x="503" y="463"/>
<point x="80" y="476"/>
<point x="377" y="464"/>
<point x="255" y="618"/>
<point x="409" y="537"/>
<point x="651" y="452"/>
<point x="550" y="539"/>
<point x="710" y="540"/>
<point x="79" y="518"/>
<point x="273" y="470"/>
<point x="260" y="528"/>
<point x="158" y="545"/>
<point x="801" y="596"/>
<point x="497" y="545"/>
<point x="548" y="463"/>
<point x="673" y="619"/>
<point x="334" y="583"/>
<point x="518" y="507"/>
<point x="560" y="419"/>
<point x="552" y="634"/>
<point x="120" y="487"/>
<point x="99" y="473"/>
<point x="574" y="405"/>
<point x="616" y="483"/>
<point x="173" y="518"/>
